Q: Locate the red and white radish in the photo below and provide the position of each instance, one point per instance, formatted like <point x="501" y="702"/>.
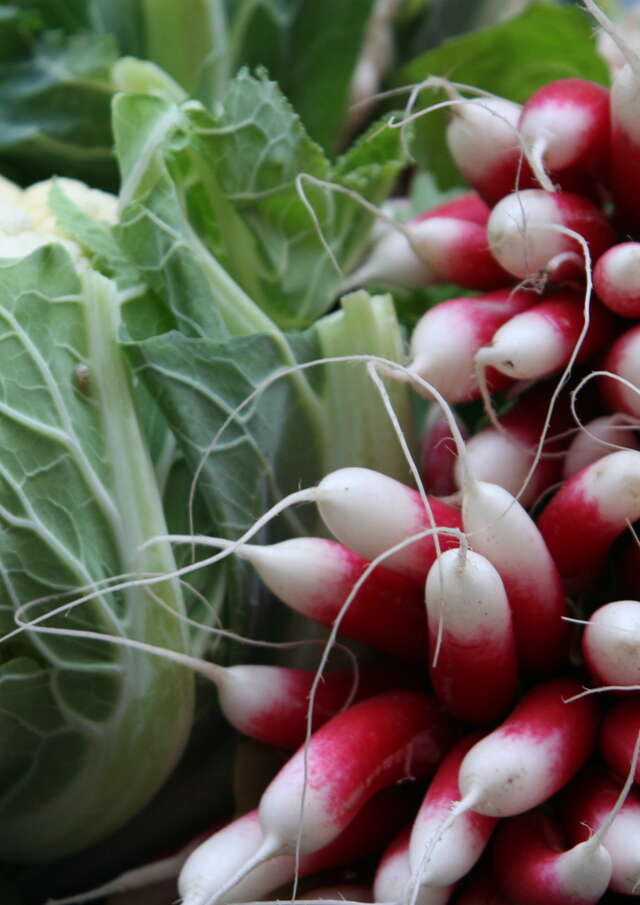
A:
<point x="565" y="126"/>
<point x="589" y="802"/>
<point x="446" y="339"/>
<point x="534" y="867"/>
<point x="314" y="576"/>
<point x="392" y="881"/>
<point x="500" y="529"/>
<point x="527" y="233"/>
<point x="323" y="786"/>
<point x="611" y="643"/>
<point x="616" y="279"/>
<point x="531" y="755"/>
<point x="473" y="667"/>
<point x="619" y="733"/>
<point x="370" y="513"/>
<point x="438" y="452"/>
<point x="596" y="439"/>
<point x="482" y="137"/>
<point x="542" y="339"/>
<point x="456" y="851"/>
<point x="505" y="456"/>
<point x="429" y="250"/>
<point x="587" y="514"/>
<point x="623" y="360"/>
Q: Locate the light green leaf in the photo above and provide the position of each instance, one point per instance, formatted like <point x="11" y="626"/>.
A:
<point x="77" y="497"/>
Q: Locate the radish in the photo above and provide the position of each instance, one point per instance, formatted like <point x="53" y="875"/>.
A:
<point x="565" y="125"/>
<point x="622" y="359"/>
<point x="501" y="530"/>
<point x="625" y="131"/>
<point x="321" y="788"/>
<point x="438" y="452"/>
<point x="213" y="862"/>
<point x="618" y="735"/>
<point x="505" y="456"/>
<point x="314" y="576"/>
<point x="533" y="868"/>
<point x="596" y="439"/>
<point x="611" y="643"/>
<point x="481" y="889"/>
<point x="457" y="850"/>
<point x="340" y="892"/>
<point x="469" y="206"/>
<point x="393" y="876"/>
<point x="589" y="802"/>
<point x="616" y="279"/>
<point x="473" y="653"/>
<point x="370" y="513"/>
<point x="542" y="339"/>
<point x="531" y="755"/>
<point x="428" y="250"/>
<point x="482" y="137"/>
<point x="587" y="514"/>
<point x="528" y="233"/>
<point x="447" y="338"/>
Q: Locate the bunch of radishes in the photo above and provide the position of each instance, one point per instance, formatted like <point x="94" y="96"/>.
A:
<point x="516" y="768"/>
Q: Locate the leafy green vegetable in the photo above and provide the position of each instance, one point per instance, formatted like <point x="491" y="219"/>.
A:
<point x="512" y="60"/>
<point x="55" y="96"/>
<point x="94" y="728"/>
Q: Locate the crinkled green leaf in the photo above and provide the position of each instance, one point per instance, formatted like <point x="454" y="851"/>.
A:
<point x="217" y="196"/>
<point x="94" y="728"/>
<point x="512" y="60"/>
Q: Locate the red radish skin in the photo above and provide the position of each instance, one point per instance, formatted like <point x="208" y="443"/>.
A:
<point x="342" y="766"/>
<point x="481" y="889"/>
<point x="457" y="251"/>
<point x="469" y="206"/>
<point x="314" y="577"/>
<point x="501" y="530"/>
<point x="223" y="853"/>
<point x="504" y="456"/>
<point x="525" y="239"/>
<point x="532" y="754"/>
<point x="623" y="359"/>
<point x="611" y="643"/>
<point x="483" y="140"/>
<point x="271" y="703"/>
<point x="587" y="514"/>
<point x="533" y="866"/>
<point x="616" y="279"/>
<point x="392" y="881"/>
<point x="441" y="249"/>
<point x="565" y="125"/>
<point x="370" y="513"/>
<point x="594" y="441"/>
<point x="476" y="673"/>
<point x="618" y="734"/>
<point x="588" y="803"/>
<point x="542" y="339"/>
<point x="438" y="453"/>
<point x="446" y="339"/>
<point x="459" y="848"/>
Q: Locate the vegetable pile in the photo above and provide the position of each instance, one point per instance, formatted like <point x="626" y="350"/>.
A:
<point x="431" y="647"/>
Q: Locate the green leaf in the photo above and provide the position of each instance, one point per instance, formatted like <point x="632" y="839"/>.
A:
<point x="216" y="196"/>
<point x="78" y="496"/>
<point x="55" y="106"/>
<point x="512" y="60"/>
<point x="313" y="53"/>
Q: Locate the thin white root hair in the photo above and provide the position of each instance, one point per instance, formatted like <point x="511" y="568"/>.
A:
<point x="457" y="809"/>
<point x="602" y="831"/>
<point x="607" y="25"/>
